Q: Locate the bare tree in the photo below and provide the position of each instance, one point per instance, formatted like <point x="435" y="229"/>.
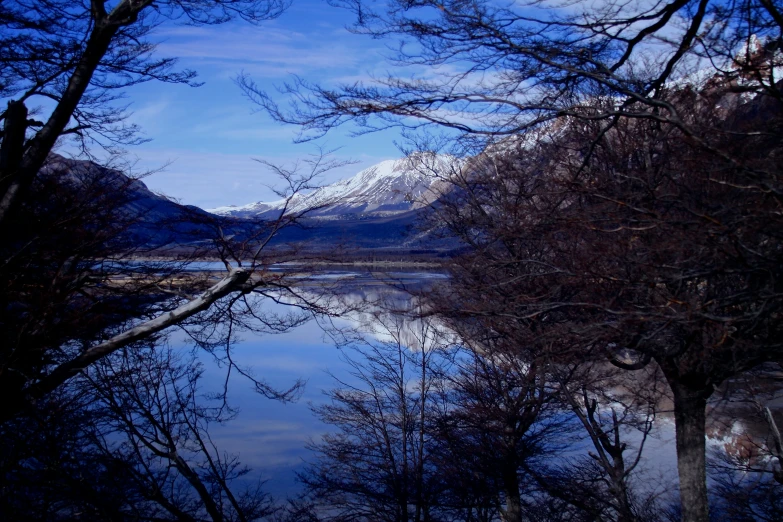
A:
<point x="617" y="412"/>
<point x="665" y="78"/>
<point x="633" y="243"/>
<point x="76" y="289"/>
<point x="80" y="55"/>
<point x="130" y="439"/>
<point x="378" y="465"/>
<point x="495" y="69"/>
<point x="505" y="420"/>
<point x="153" y="422"/>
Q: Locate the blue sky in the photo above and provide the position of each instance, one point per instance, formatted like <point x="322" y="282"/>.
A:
<point x="207" y="137"/>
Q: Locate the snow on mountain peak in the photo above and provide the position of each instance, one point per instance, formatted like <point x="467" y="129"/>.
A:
<point x="390" y="187"/>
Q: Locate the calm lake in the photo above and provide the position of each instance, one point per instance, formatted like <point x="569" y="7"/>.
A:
<point x="270" y="437"/>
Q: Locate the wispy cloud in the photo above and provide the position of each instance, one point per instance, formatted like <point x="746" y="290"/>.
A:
<point x="148" y="116"/>
<point x="271" y="51"/>
<point x="206" y="179"/>
<point x="207" y="137"/>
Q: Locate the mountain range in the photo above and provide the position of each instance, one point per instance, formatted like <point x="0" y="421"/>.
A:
<point x="388" y="189"/>
<point x="153" y="220"/>
<point x="376" y="209"/>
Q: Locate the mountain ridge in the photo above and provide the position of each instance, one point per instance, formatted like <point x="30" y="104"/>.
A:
<point x="386" y="189"/>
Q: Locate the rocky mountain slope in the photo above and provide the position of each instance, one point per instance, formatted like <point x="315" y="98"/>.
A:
<point x="390" y="188"/>
<point x="377" y="209"/>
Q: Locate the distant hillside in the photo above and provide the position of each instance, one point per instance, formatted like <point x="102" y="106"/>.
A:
<point x="376" y="210"/>
<point x="154" y="219"/>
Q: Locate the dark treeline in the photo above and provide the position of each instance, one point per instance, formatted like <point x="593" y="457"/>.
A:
<point x="622" y="199"/>
<point x="100" y="419"/>
<point x="430" y="427"/>
<point x="611" y="275"/>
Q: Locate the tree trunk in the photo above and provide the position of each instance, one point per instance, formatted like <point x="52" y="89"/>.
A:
<point x="513" y="512"/>
<point x="12" y="149"/>
<point x="689" y="414"/>
<point x="40" y="146"/>
<point x="194" y="480"/>
<point x="624" y="509"/>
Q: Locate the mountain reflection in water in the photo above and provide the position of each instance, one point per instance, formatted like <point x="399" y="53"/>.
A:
<point x="270" y="437"/>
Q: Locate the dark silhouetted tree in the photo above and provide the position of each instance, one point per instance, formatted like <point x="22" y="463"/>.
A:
<point x="378" y="465"/>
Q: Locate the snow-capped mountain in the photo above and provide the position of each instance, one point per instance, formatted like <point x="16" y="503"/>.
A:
<point x="389" y="188"/>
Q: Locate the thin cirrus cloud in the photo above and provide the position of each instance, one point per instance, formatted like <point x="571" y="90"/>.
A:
<point x="273" y="52"/>
<point x="236" y="123"/>
<point x="149" y="114"/>
<point x="206" y="138"/>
